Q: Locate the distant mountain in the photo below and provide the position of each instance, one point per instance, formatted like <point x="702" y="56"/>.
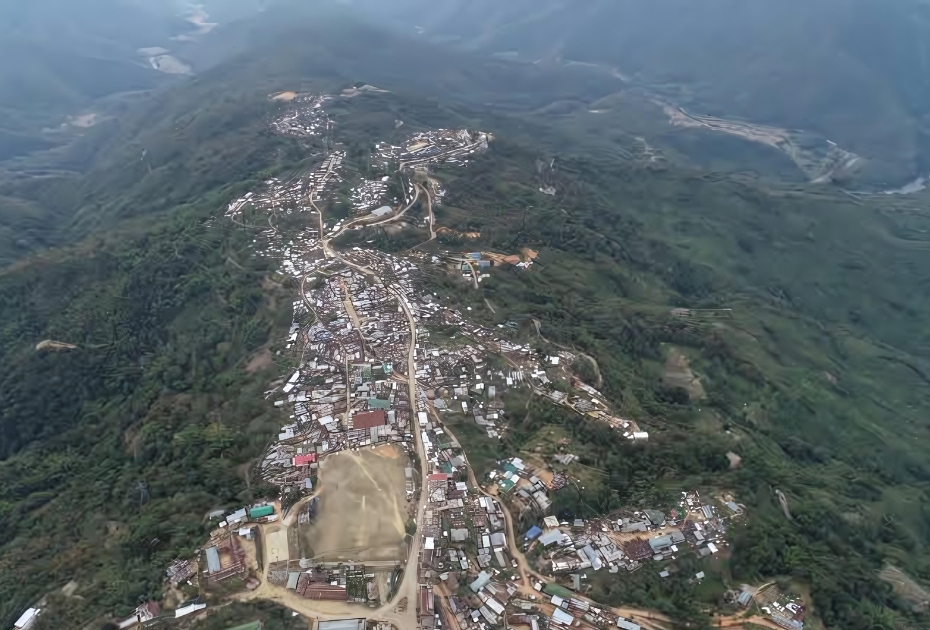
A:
<point x="59" y="57"/>
<point x="853" y="71"/>
<point x="55" y="54"/>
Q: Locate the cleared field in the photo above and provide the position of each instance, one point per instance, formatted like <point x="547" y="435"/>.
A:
<point x="362" y="508"/>
<point x="678" y="374"/>
<point x="276" y="544"/>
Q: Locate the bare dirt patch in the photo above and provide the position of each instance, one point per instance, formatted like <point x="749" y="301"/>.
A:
<point x="261" y="360"/>
<point x="276" y="548"/>
<point x="678" y="374"/>
<point x="169" y="64"/>
<point x="283" y="96"/>
<point x="84" y="121"/>
<point x="526" y="254"/>
<point x="469" y="235"/>
<point x="735" y="460"/>
<point x="362" y="513"/>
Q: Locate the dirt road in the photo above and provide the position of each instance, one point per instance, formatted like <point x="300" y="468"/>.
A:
<point x="429" y="213"/>
<point x="408" y="587"/>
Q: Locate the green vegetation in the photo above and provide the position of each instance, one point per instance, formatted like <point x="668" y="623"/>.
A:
<point x="748" y="61"/>
<point x="815" y="388"/>
<point x="272" y="616"/>
<point x="816" y="377"/>
<point x="114" y="452"/>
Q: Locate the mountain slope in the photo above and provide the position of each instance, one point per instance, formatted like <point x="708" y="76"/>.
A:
<point x="817" y="378"/>
<point x="854" y="71"/>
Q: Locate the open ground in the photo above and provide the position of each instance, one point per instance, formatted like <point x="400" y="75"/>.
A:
<point x="363" y="509"/>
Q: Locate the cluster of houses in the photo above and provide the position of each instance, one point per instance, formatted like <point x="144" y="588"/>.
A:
<point x="349" y="582"/>
<point x="224" y="555"/>
<point x="788" y="611"/>
<point x="632" y="539"/>
<point x="449" y="146"/>
<point x="350" y="339"/>
<point x="305" y="119"/>
<point x="293" y="195"/>
<point x="369" y="194"/>
<point x="470" y="371"/>
<point x="343" y="394"/>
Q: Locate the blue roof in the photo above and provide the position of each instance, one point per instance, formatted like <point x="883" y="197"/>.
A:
<point x="533" y="533"/>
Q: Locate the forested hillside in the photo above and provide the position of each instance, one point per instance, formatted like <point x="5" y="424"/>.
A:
<point x="851" y="70"/>
<point x="815" y="388"/>
<point x="113" y="452"/>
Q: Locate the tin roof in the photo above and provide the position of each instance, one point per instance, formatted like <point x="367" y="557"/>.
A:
<point x="369" y="419"/>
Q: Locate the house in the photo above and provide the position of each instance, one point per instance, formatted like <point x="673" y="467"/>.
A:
<point x="183" y="611"/>
<point x="533" y="533"/>
<point x="213" y="560"/>
<point x="655" y="517"/>
<point x="483" y="579"/>
<point x="378" y="403"/>
<point x="27" y="619"/>
<point x="304" y="460"/>
<point x="661" y="543"/>
<point x="550" y="538"/>
<point x="562" y="617"/>
<point x="261" y="511"/>
<point x="369" y="419"/>
<point x="629" y="526"/>
<point x="426" y="601"/>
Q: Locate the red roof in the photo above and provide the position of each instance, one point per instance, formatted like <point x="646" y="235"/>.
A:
<point x="369" y="419"/>
<point x="325" y="591"/>
<point x="303" y="460"/>
<point x="438" y="477"/>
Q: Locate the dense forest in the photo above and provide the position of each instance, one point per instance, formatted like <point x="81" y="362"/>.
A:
<point x="115" y="450"/>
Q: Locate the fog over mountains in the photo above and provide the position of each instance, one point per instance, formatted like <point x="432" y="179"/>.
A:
<point x="851" y="71"/>
<point x="854" y="71"/>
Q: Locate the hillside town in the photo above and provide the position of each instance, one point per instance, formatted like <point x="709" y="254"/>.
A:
<point x="377" y="373"/>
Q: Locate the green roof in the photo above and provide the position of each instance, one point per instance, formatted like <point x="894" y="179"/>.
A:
<point x="262" y="510"/>
<point x="378" y="403"/>
<point x="554" y="589"/>
<point x="505" y="484"/>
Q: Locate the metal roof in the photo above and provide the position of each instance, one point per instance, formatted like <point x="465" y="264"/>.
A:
<point x="213" y="560"/>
